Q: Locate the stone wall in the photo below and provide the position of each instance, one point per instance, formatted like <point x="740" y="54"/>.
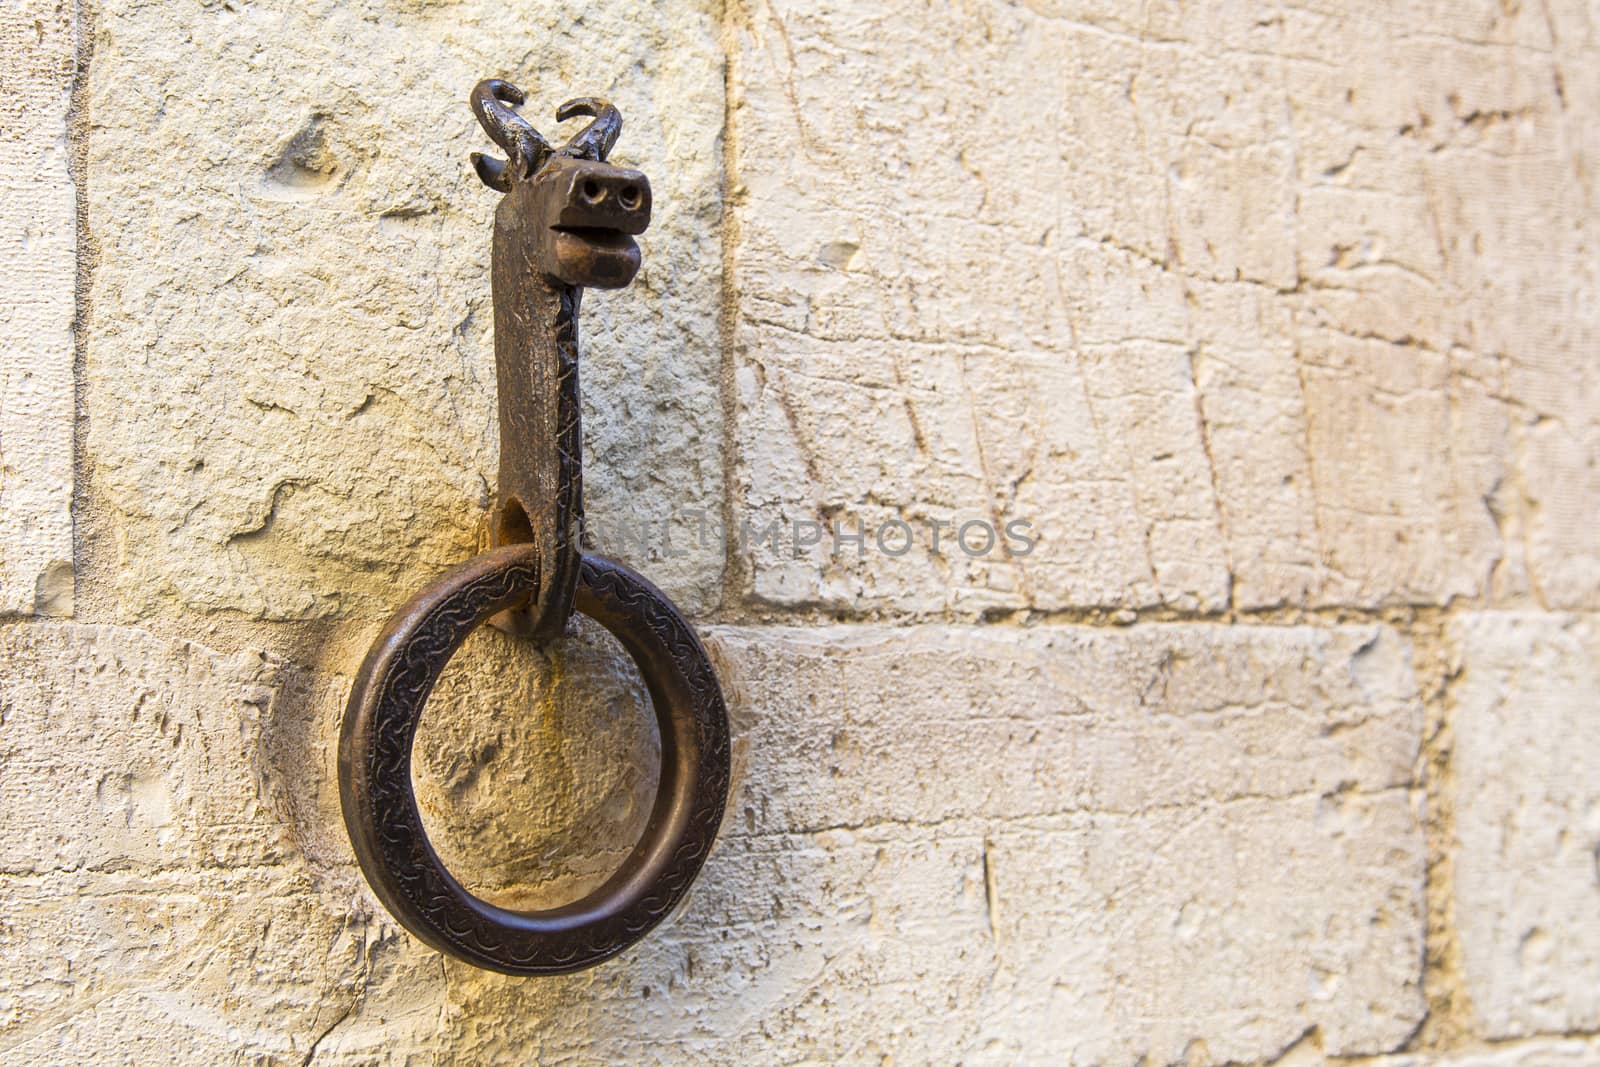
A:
<point x="1276" y="327"/>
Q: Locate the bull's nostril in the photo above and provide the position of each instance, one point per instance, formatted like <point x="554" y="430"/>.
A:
<point x="628" y="195"/>
<point x="592" y="191"/>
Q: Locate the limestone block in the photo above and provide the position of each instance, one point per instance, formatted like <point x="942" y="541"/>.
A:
<point x="1528" y="821"/>
<point x="290" y="380"/>
<point x="175" y="883"/>
<point x="38" y="269"/>
<point x="123" y="751"/>
<point x="1447" y="218"/>
<point x="1082" y="939"/>
<point x="1227" y="321"/>
<point x="1576" y="1053"/>
<point x="837" y="947"/>
<point x="911" y="343"/>
<point x="154" y="907"/>
<point x="1058" y="845"/>
<point x="1039" y="842"/>
<point x="852" y="725"/>
<point x="1152" y="936"/>
<point x="1133" y="807"/>
<point x="204" y="965"/>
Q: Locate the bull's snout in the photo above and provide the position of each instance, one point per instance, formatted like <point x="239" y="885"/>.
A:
<point x="600" y="196"/>
<point x="590" y="209"/>
<point x="580" y="194"/>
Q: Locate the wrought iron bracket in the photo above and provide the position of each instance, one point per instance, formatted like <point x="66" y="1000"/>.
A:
<point x="566" y="221"/>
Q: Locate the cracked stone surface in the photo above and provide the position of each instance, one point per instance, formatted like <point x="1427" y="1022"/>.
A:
<point x="1233" y="308"/>
<point x="1139" y="817"/>
<point x="1528" y="821"/>
<point x="1544" y="1053"/>
<point x="38" y="265"/>
<point x="1020" y="842"/>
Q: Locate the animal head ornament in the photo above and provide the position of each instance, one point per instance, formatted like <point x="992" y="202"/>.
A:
<point x="584" y="211"/>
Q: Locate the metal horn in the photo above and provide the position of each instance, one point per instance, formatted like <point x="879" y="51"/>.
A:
<point x="492" y="171"/>
<point x="594" y="141"/>
<point x="509" y="130"/>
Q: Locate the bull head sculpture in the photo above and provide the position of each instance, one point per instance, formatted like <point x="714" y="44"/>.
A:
<point x="582" y="212"/>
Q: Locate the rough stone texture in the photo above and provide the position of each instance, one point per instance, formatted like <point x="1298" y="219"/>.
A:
<point x="1530" y="1054"/>
<point x="38" y="244"/>
<point x="281" y="196"/>
<point x="1056" y="721"/>
<point x="153" y="902"/>
<point x="175" y="885"/>
<point x="1278" y="323"/>
<point x="1271" y="307"/>
<point x="1528" y="821"/>
<point x="1138" y="823"/>
<point x="537" y="771"/>
<point x="961" y="849"/>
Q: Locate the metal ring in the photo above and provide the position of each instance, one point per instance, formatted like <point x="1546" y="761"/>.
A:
<point x="380" y="807"/>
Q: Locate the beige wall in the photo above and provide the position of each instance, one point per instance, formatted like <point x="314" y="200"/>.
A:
<point x="1278" y="323"/>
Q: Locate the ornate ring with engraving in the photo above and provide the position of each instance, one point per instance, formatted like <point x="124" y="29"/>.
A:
<point x="380" y="806"/>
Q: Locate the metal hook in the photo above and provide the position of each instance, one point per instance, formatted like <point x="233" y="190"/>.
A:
<point x="567" y="221"/>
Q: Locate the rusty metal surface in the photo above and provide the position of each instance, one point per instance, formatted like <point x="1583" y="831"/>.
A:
<point x="567" y="220"/>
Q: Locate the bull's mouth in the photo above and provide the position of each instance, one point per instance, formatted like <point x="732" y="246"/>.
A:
<point x="600" y="237"/>
<point x="595" y="256"/>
